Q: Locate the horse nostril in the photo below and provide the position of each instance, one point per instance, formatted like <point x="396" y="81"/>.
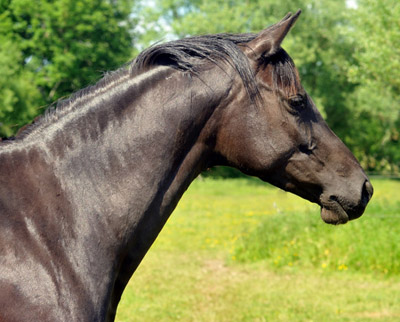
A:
<point x="367" y="193"/>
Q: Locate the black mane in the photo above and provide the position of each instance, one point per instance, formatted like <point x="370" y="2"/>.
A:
<point x="188" y="54"/>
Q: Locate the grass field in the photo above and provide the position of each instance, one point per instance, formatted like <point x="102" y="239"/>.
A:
<point x="240" y="250"/>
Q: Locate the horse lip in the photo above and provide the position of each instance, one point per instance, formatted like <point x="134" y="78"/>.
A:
<point x="333" y="213"/>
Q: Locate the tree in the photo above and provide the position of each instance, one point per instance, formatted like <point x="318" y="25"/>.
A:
<point x="18" y="95"/>
<point x="376" y="71"/>
<point x="377" y="31"/>
<point x="51" y="48"/>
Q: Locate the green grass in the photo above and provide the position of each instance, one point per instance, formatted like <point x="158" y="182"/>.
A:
<point x="369" y="245"/>
<point x="239" y="250"/>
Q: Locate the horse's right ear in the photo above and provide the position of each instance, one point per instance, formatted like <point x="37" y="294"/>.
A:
<point x="269" y="40"/>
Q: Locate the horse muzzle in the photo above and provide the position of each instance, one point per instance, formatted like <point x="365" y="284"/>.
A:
<point x="338" y="210"/>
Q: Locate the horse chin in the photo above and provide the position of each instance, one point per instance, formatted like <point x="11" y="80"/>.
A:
<point x="334" y="214"/>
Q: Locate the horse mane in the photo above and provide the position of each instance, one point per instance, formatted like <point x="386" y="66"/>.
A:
<point x="189" y="55"/>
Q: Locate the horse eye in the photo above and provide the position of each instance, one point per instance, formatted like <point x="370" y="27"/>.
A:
<point x="306" y="149"/>
<point x="298" y="102"/>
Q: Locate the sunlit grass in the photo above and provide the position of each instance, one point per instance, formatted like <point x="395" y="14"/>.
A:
<point x="370" y="244"/>
<point x="194" y="271"/>
<point x="213" y="214"/>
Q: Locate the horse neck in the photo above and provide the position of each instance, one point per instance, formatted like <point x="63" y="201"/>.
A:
<point x="122" y="157"/>
<point x="118" y="167"/>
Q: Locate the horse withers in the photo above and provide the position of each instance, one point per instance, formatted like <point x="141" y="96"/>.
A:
<point x="86" y="189"/>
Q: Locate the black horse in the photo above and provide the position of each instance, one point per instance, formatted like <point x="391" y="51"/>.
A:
<point x="85" y="190"/>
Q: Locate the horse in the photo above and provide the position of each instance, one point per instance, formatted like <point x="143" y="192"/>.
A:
<point x="86" y="188"/>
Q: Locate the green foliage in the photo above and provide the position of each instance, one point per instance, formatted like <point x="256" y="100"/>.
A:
<point x="18" y="96"/>
<point x="53" y="48"/>
<point x="376" y="71"/>
<point x="377" y="34"/>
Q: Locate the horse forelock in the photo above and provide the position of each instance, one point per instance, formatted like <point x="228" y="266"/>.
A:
<point x="284" y="75"/>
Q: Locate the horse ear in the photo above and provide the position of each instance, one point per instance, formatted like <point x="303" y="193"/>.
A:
<point x="269" y="40"/>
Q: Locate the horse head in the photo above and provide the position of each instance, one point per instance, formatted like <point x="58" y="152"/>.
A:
<point x="279" y="136"/>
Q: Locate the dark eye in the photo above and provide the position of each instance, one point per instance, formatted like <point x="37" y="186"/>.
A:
<point x="306" y="149"/>
<point x="297" y="103"/>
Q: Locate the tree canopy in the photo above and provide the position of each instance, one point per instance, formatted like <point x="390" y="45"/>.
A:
<point x="347" y="53"/>
<point x="51" y="48"/>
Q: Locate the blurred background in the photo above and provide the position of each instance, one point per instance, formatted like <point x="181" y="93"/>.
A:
<point x="347" y="53"/>
<point x="236" y="249"/>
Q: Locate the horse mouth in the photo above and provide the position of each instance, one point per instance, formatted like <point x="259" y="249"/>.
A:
<point x="333" y="213"/>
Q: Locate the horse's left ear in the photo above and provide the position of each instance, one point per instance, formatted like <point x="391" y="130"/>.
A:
<point x="269" y="40"/>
